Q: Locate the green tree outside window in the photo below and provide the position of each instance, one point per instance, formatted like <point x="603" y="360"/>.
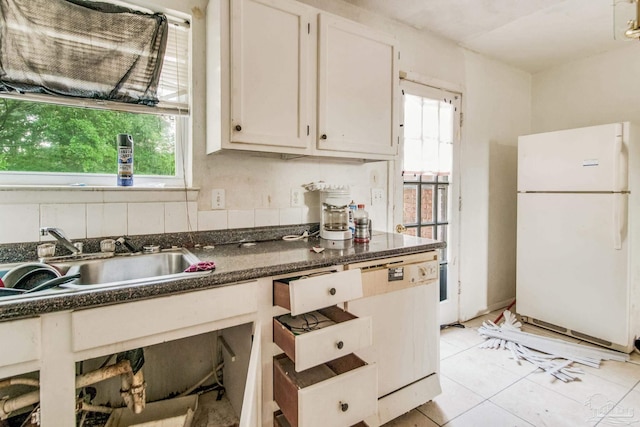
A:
<point x="40" y="137"/>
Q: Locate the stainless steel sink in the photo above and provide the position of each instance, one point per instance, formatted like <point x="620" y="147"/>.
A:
<point x="130" y="269"/>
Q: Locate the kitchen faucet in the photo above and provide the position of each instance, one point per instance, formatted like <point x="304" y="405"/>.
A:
<point x="60" y="237"/>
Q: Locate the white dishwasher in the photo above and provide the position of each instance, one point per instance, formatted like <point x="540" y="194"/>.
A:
<point x="401" y="295"/>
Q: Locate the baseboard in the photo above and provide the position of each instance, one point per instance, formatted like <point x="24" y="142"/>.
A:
<point x="500" y="304"/>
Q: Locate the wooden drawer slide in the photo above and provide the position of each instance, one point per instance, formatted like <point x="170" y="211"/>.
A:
<point x="339" y="393"/>
<point x="313" y="338"/>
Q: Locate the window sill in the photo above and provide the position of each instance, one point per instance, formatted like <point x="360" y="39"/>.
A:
<point x="94" y="194"/>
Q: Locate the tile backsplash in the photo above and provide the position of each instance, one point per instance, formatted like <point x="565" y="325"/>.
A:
<point x="20" y="222"/>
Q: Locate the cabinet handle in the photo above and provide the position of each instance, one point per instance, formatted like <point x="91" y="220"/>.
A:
<point x="340" y="344"/>
<point x="324" y="136"/>
<point x="332" y="291"/>
<point x="238" y="128"/>
<point x="344" y="407"/>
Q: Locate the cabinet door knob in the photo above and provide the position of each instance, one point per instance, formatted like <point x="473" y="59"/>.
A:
<point x="238" y="128"/>
<point x="344" y="406"/>
<point x="339" y="344"/>
<point x="324" y="136"/>
<point x="332" y="291"/>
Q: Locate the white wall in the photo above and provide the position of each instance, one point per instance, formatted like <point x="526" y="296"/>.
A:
<point x="497" y="110"/>
<point x="496" y="103"/>
<point x="597" y="90"/>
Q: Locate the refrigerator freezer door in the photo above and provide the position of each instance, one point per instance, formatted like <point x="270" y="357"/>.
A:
<point x="586" y="159"/>
<point x="569" y="271"/>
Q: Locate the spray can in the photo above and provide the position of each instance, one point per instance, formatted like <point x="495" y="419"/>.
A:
<point x="125" y="160"/>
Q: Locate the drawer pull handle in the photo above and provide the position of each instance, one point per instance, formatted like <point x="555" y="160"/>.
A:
<point x="332" y="291"/>
<point x="339" y="344"/>
<point x="344" y="406"/>
<point x="238" y="128"/>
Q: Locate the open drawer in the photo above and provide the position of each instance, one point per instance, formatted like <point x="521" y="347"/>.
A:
<point x="280" y="421"/>
<point x="316" y="337"/>
<point x="339" y="393"/>
<point x="307" y="293"/>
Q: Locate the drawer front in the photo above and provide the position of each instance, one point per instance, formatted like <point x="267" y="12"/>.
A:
<point x="113" y="324"/>
<point x="314" y="292"/>
<point x="308" y="349"/>
<point x="21" y="341"/>
<point x="339" y="401"/>
<point x="339" y="393"/>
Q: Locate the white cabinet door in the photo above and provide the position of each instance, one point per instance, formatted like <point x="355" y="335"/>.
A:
<point x="269" y="75"/>
<point x="357" y="88"/>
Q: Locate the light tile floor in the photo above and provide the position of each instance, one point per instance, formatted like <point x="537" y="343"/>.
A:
<point x="484" y="387"/>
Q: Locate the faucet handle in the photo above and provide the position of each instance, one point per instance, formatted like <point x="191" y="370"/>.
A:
<point x="126" y="242"/>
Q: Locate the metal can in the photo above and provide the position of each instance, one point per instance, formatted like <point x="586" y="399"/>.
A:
<point x="125" y="160"/>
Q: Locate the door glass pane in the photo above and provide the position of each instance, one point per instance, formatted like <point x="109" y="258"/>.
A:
<point x="445" y="157"/>
<point x="442" y="236"/>
<point x="427" y="203"/>
<point x="430" y="155"/>
<point x="413" y="155"/>
<point x="443" y="203"/>
<point x="430" y="121"/>
<point x="427" y="232"/>
<point x="412" y="116"/>
<point x="446" y="122"/>
<point x="443" y="282"/>
<point x="410" y="204"/>
<point x="411" y="231"/>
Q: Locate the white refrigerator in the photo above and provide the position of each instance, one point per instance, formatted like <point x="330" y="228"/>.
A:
<point x="578" y="264"/>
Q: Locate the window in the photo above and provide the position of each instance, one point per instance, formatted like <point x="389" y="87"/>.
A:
<point x="47" y="139"/>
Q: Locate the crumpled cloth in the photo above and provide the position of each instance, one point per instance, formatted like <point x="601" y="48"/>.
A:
<point x="201" y="266"/>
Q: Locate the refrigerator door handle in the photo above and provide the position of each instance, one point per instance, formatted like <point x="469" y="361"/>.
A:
<point x="619" y="219"/>
<point x="619" y="171"/>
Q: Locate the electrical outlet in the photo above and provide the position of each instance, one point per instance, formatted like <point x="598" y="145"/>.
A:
<point x="377" y="196"/>
<point x="296" y="197"/>
<point x="217" y="198"/>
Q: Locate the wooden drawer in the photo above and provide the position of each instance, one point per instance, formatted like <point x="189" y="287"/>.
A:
<point x="279" y="420"/>
<point x="339" y="393"/>
<point x="316" y="337"/>
<point x="308" y="293"/>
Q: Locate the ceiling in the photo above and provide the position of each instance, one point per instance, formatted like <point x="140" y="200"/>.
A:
<point x="529" y="34"/>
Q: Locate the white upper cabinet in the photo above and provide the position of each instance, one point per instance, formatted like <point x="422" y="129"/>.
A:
<point x="269" y="56"/>
<point x="300" y="81"/>
<point x="357" y="88"/>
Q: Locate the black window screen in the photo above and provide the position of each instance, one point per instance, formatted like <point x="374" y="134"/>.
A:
<point x="81" y="49"/>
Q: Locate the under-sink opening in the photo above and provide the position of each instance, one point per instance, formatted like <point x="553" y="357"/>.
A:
<point x="202" y="377"/>
<point x="15" y="394"/>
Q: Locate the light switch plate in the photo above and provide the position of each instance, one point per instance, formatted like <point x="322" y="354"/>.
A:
<point x="296" y="197"/>
<point x="377" y="196"/>
<point x="217" y="198"/>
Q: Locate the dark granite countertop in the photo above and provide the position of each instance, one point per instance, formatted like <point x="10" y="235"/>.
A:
<point x="234" y="263"/>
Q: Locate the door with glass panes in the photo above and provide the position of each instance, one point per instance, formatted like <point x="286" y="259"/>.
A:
<point x="430" y="184"/>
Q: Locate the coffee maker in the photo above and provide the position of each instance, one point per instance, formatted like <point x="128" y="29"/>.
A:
<point x="334" y="218"/>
